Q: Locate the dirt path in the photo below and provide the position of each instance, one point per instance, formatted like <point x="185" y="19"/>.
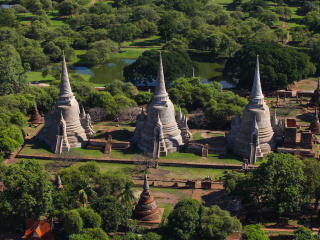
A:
<point x="92" y="2"/>
<point x="197" y="194"/>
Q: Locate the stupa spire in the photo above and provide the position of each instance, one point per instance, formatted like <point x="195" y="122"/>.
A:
<point x="256" y="93"/>
<point x="145" y="184"/>
<point x="65" y="89"/>
<point x="160" y="85"/>
<point x="142" y="112"/>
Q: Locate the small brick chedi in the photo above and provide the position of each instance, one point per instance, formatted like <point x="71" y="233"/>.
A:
<point x="253" y="136"/>
<point x="161" y="131"/>
<point x="146" y="210"/>
<point x="67" y="127"/>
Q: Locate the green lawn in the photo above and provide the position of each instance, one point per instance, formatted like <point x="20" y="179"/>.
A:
<point x="40" y="148"/>
<point x="132" y="52"/>
<point x="197" y="136"/>
<point x="37" y="77"/>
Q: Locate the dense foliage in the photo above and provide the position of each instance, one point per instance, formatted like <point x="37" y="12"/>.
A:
<point x="216" y="104"/>
<point x="279" y="65"/>
<point x="279" y="183"/>
<point x="145" y="69"/>
<point x="27" y="194"/>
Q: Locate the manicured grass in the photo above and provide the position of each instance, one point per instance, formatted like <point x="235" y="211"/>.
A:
<point x="180" y="193"/>
<point x="168" y="207"/>
<point x="132" y="53"/>
<point x="37" y="77"/>
<point x="197" y="136"/>
<point x="40" y="148"/>
<point x="32" y="130"/>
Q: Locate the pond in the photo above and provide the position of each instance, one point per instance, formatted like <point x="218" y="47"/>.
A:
<point x="113" y="69"/>
<point x="4" y="6"/>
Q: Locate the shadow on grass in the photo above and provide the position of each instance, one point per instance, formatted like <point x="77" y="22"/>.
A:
<point x="146" y="43"/>
<point x="37" y="145"/>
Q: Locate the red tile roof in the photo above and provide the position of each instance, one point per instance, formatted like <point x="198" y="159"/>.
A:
<point x="39" y="229"/>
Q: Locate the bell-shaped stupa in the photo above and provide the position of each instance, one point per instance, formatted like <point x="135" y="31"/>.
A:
<point x="158" y="132"/>
<point x="146" y="210"/>
<point x="254" y="134"/>
<point x="63" y="129"/>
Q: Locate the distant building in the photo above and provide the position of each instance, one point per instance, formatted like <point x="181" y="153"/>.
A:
<point x="66" y="128"/>
<point x="253" y="136"/>
<point x="160" y="132"/>
<point x="39" y="230"/>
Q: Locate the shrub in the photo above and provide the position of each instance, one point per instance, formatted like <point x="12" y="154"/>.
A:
<point x="143" y="97"/>
<point x="95" y="233"/>
<point x="89" y="217"/>
<point x="72" y="222"/>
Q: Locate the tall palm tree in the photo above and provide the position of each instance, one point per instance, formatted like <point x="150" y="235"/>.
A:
<point x="127" y="197"/>
<point x="86" y="185"/>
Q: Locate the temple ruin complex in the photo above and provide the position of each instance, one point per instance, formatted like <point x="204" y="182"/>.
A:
<point x="161" y="132"/>
<point x="67" y="127"/>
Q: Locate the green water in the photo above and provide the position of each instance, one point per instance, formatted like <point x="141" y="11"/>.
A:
<point x="113" y="69"/>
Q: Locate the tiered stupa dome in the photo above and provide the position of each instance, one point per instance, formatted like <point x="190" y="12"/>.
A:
<point x="254" y="135"/>
<point x="146" y="210"/>
<point x="65" y="128"/>
<point x="159" y="132"/>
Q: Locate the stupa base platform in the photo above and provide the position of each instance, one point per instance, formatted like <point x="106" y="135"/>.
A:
<point x="155" y="221"/>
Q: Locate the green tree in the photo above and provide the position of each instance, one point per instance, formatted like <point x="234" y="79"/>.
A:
<point x="119" y="87"/>
<point x="239" y="184"/>
<point x="103" y="100"/>
<point x="101" y="50"/>
<point x="268" y="17"/>
<point x="52" y="51"/>
<point x="72" y="222"/>
<point x="254" y="232"/>
<point x="90" y="218"/>
<point x="305" y="234"/>
<point x="86" y="190"/>
<point x="281" y="33"/>
<point x="184" y="221"/>
<point x="127" y="197"/>
<point x="311" y="170"/>
<point x="166" y="26"/>
<point x="20" y="198"/>
<point x="13" y="78"/>
<point x="95" y="233"/>
<point x="123" y="32"/>
<point x="152" y="236"/>
<point x="34" y="57"/>
<point x="280" y="182"/>
<point x="218" y="224"/>
<point x="111" y="212"/>
<point x="147" y="28"/>
<point x="143" y="98"/>
<point x="68" y="7"/>
<point x="273" y="74"/>
<point x="145" y="69"/>
<point x="19" y="119"/>
<point x="6" y="18"/>
<point x="175" y="45"/>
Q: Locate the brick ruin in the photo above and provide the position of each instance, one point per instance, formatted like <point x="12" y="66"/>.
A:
<point x="146" y="210"/>
<point x="106" y="145"/>
<point x="297" y="143"/>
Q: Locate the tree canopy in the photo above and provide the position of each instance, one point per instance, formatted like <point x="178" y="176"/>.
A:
<point x="145" y="69"/>
<point x="27" y="193"/>
<point x="279" y="65"/>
